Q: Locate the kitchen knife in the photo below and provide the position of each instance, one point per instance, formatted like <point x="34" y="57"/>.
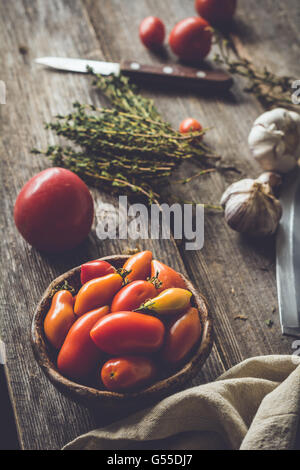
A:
<point x="288" y="257"/>
<point x="179" y="75"/>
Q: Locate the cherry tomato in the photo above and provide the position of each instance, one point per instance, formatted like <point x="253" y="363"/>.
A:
<point x="60" y="318"/>
<point x="128" y="333"/>
<point x="216" y="11"/>
<point x="93" y="269"/>
<point x="181" y="336"/>
<point x="133" y="295"/>
<point x="189" y="125"/>
<point x="79" y="355"/>
<point x="191" y="39"/>
<point x="152" y="32"/>
<point x="97" y="292"/>
<point x="121" y="374"/>
<point x="54" y="210"/>
<point x="169" y="302"/>
<point x="139" y="265"/>
<point x="168" y="276"/>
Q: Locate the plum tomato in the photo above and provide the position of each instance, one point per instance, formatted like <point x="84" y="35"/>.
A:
<point x="79" y="355"/>
<point x="168" y="276"/>
<point x="152" y="32"/>
<point x="54" y="211"/>
<point x="189" y="125"/>
<point x="128" y="333"/>
<point x="139" y="265"/>
<point x="97" y="292"/>
<point x="125" y="373"/>
<point x="59" y="318"/>
<point x="181" y="336"/>
<point x="133" y="295"/>
<point x="191" y="39"/>
<point x="216" y="11"/>
<point x="93" y="269"/>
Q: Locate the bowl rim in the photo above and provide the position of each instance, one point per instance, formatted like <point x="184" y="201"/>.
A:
<point x="186" y="372"/>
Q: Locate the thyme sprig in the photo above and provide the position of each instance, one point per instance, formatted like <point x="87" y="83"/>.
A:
<point x="129" y="145"/>
<point x="270" y="89"/>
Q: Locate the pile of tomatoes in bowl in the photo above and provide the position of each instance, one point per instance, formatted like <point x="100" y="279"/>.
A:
<point x="125" y="328"/>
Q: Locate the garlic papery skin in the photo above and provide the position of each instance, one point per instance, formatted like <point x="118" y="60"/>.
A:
<point x="250" y="207"/>
<point x="275" y="140"/>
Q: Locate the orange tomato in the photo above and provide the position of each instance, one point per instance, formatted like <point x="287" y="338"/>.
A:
<point x="79" y="355"/>
<point x="97" y="292"/>
<point x="139" y="265"/>
<point x="120" y="374"/>
<point x="128" y="333"/>
<point x="60" y="318"/>
<point x="181" y="336"/>
<point x="168" y="276"/>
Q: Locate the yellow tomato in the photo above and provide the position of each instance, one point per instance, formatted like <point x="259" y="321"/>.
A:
<point x="170" y="301"/>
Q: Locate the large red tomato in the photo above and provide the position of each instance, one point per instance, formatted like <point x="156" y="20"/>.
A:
<point x="128" y="333"/>
<point x="191" y="39"/>
<point x="54" y="210"/>
<point x="216" y="11"/>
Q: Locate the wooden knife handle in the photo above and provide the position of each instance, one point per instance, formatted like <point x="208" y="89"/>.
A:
<point x="178" y="75"/>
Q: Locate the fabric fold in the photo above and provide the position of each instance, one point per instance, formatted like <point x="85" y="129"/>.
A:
<point x="254" y="405"/>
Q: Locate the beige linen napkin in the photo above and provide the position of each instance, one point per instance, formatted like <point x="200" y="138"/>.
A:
<point x="254" y="405"/>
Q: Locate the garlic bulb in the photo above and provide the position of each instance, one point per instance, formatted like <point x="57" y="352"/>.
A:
<point x="250" y="207"/>
<point x="275" y="140"/>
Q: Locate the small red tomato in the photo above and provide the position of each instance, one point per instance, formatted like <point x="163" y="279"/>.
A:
<point x="152" y="32"/>
<point x="168" y="276"/>
<point x="190" y="125"/>
<point x="97" y="292"/>
<point x="121" y="374"/>
<point x="133" y="295"/>
<point x="139" y="265"/>
<point x="216" y="11"/>
<point x="181" y="336"/>
<point x="128" y="333"/>
<point x="54" y="210"/>
<point x="93" y="269"/>
<point x="191" y="39"/>
<point x="79" y="355"/>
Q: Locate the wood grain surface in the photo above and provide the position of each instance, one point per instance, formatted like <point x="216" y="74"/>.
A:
<point x="236" y="275"/>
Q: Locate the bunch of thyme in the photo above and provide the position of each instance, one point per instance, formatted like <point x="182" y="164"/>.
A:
<point x="271" y="90"/>
<point x="128" y="146"/>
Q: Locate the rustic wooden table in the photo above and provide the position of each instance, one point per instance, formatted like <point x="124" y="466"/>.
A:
<point x="236" y="276"/>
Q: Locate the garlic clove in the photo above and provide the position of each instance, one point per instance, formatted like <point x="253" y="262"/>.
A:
<point x="274" y="140"/>
<point x="271" y="178"/>
<point x="250" y="207"/>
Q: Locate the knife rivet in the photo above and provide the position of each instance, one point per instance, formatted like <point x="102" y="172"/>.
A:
<point x="167" y="70"/>
<point x="135" y="66"/>
<point x="201" y="74"/>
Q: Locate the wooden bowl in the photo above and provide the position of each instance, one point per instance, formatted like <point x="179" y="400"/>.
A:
<point x="90" y="395"/>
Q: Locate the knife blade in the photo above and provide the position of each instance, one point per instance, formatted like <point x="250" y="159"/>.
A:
<point x="161" y="74"/>
<point x="288" y="257"/>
